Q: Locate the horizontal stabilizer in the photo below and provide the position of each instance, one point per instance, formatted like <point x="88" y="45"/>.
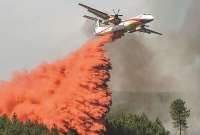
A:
<point x="91" y="18"/>
<point x="150" y="31"/>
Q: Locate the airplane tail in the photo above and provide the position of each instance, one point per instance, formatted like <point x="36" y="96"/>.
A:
<point x="98" y="23"/>
<point x="99" y="27"/>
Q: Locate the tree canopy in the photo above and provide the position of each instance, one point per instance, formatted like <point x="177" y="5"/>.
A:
<point x="179" y="114"/>
<point x="122" y="124"/>
<point x="130" y="124"/>
<point x="16" y="127"/>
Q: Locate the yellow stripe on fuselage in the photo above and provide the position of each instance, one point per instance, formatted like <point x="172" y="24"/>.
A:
<point x="131" y="22"/>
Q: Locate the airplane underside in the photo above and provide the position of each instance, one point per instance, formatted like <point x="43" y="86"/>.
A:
<point x="113" y="23"/>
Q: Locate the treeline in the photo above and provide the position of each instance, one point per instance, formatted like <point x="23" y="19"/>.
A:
<point x="14" y="126"/>
<point x="130" y="124"/>
<point x="124" y="124"/>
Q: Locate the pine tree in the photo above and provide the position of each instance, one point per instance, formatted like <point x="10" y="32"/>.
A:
<point x="179" y="114"/>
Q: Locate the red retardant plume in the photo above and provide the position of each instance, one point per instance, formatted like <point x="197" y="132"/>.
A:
<point x="70" y="93"/>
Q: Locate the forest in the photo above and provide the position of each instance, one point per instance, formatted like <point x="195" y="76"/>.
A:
<point x="116" y="124"/>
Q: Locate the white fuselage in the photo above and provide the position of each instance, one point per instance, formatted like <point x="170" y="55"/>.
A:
<point x="130" y="25"/>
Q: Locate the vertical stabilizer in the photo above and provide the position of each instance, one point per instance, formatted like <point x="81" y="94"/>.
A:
<point x="98" y="23"/>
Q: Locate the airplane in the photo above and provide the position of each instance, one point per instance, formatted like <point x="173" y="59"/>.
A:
<point x="106" y="23"/>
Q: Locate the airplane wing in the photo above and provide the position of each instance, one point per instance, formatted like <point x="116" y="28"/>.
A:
<point x="150" y="31"/>
<point x="96" y="12"/>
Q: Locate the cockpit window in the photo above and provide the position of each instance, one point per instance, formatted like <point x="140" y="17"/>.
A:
<point x="139" y="16"/>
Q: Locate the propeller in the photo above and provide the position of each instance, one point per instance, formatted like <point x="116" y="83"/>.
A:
<point x="116" y="14"/>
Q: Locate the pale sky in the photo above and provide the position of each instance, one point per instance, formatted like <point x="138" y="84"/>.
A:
<point x="34" y="31"/>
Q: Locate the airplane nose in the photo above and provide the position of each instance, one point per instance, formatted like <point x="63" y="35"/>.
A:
<point x="151" y="18"/>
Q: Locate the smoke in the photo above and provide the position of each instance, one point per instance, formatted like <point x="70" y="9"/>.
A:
<point x="137" y="84"/>
<point x="70" y="93"/>
<point x="150" y="71"/>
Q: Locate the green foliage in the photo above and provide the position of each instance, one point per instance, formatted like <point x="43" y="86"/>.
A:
<point x="129" y="124"/>
<point x="179" y="114"/>
<point x="72" y="131"/>
<point x="123" y="124"/>
<point x="15" y="127"/>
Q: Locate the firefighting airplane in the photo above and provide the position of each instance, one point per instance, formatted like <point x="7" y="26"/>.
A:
<point x="114" y="24"/>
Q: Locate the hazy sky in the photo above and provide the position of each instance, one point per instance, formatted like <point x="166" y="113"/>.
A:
<point x="34" y="31"/>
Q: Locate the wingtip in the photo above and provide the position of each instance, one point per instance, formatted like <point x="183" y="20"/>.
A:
<point x="80" y="4"/>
